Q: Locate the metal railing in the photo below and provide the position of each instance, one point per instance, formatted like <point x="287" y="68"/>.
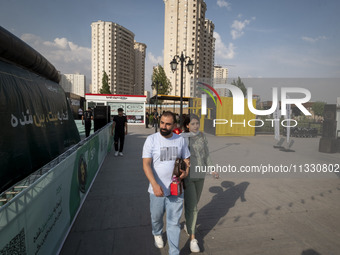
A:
<point x="11" y="192"/>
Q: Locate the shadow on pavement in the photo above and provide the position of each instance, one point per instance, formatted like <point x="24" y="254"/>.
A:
<point x="209" y="216"/>
<point x="310" y="252"/>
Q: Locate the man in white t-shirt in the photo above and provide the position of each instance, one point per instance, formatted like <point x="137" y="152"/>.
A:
<point x="159" y="154"/>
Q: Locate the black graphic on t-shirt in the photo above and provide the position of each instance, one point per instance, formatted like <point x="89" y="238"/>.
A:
<point x="168" y="153"/>
<point x="88" y="115"/>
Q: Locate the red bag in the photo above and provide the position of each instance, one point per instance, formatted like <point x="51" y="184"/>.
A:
<point x="176" y="186"/>
<point x="176" y="189"/>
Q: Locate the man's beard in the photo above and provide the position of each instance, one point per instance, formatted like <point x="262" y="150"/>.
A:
<point x="165" y="132"/>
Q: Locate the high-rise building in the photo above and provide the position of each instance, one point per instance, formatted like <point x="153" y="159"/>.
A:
<point x="139" y="86"/>
<point x="186" y="30"/>
<point x="220" y="74"/>
<point x="113" y="53"/>
<point x="221" y="77"/>
<point x="74" y="83"/>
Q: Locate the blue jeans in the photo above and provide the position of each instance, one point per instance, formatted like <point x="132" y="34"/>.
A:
<point x="173" y="206"/>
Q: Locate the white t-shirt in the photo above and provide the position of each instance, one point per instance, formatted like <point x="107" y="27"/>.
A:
<point x="164" y="152"/>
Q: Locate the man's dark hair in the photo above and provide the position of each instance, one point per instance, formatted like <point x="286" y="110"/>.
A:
<point x="120" y="110"/>
<point x="168" y="114"/>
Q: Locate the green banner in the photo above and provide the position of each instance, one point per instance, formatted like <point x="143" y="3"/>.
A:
<point x="37" y="220"/>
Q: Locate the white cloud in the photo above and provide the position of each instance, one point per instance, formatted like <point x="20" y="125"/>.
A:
<point x="223" y="3"/>
<point x="65" y="55"/>
<point x="238" y="27"/>
<point x="223" y="51"/>
<point x="150" y="62"/>
<point x="313" y="40"/>
<point x="155" y="60"/>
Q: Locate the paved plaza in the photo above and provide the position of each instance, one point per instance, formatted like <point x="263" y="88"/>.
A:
<point x="241" y="213"/>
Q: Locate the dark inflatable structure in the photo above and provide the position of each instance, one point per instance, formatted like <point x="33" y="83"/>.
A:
<point x="36" y="121"/>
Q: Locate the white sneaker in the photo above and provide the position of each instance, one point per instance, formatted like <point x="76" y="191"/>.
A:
<point x="194" y="246"/>
<point x="159" y="241"/>
<point x="121" y="154"/>
<point x="116" y="153"/>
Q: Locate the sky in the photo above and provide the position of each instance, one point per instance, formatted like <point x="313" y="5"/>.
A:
<point x="254" y="39"/>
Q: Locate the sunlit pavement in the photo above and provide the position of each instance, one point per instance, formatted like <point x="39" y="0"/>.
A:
<point x="239" y="213"/>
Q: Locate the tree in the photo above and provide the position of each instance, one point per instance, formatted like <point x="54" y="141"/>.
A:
<point x="296" y="111"/>
<point x="317" y="108"/>
<point x="159" y="77"/>
<point x="240" y="85"/>
<point x="105" y="89"/>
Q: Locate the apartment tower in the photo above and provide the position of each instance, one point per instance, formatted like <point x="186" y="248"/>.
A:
<point x="74" y="83"/>
<point x="113" y="53"/>
<point x="221" y="77"/>
<point x="220" y="74"/>
<point x="139" y="85"/>
<point x="186" y="30"/>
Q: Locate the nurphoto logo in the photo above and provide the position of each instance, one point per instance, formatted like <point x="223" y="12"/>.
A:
<point x="238" y="104"/>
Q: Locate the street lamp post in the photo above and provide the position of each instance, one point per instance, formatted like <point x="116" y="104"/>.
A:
<point x="156" y="84"/>
<point x="190" y="67"/>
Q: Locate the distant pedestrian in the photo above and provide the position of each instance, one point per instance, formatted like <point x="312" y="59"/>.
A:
<point x="194" y="183"/>
<point x="80" y="113"/>
<point x="155" y="118"/>
<point x="177" y="118"/>
<point x="121" y="129"/>
<point x="87" y="117"/>
<point x="160" y="152"/>
<point x="147" y="120"/>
